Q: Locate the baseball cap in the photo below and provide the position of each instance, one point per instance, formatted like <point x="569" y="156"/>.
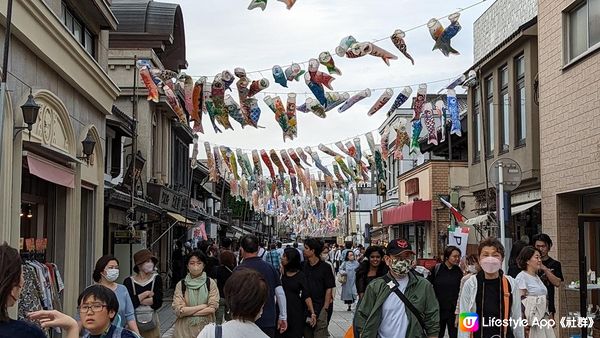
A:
<point x="398" y="246"/>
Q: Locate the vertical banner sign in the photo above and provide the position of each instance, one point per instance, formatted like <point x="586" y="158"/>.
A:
<point x="459" y="238"/>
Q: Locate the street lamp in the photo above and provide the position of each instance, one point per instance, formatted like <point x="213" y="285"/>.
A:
<point x="30" y="111"/>
<point x="88" y="147"/>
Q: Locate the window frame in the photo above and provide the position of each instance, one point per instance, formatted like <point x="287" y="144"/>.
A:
<point x="68" y="14"/>
<point x="567" y="12"/>
<point x="504" y="111"/>
<point x="476" y="122"/>
<point x="490" y="132"/>
<point x="520" y="140"/>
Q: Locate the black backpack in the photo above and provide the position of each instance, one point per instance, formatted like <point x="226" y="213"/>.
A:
<point x="184" y="287"/>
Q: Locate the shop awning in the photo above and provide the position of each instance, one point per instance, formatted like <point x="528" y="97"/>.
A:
<point x="179" y="218"/>
<point x="478" y="220"/>
<point x="50" y="171"/>
<point x="520" y="208"/>
<point x="416" y="211"/>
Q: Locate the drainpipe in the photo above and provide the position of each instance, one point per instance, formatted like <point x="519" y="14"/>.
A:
<point x="7" y="36"/>
<point x="484" y="148"/>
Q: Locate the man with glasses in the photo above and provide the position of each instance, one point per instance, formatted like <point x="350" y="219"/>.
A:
<point x="98" y="306"/>
<point x="405" y="302"/>
<point x="551" y="271"/>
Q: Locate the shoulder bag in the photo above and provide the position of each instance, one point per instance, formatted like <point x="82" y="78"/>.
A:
<point x="144" y="314"/>
<point x="407" y="303"/>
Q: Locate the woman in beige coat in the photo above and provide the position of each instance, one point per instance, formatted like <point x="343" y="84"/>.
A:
<point x="196" y="298"/>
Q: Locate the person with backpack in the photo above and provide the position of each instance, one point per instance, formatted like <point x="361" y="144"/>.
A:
<point x="145" y="291"/>
<point x="399" y="304"/>
<point x="446" y="279"/>
<point x="492" y="295"/>
<point x="196" y="298"/>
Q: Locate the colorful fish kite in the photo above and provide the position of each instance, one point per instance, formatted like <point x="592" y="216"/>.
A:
<point x="419" y="102"/>
<point x="315" y="107"/>
<point x="218" y="98"/>
<point x="277" y="162"/>
<point x="188" y="91"/>
<point x="318" y="76"/>
<point x="440" y="111"/>
<point x="288" y="3"/>
<point x="257" y="86"/>
<point x="316" y="89"/>
<point x="198" y="102"/>
<point x="210" y="107"/>
<point x="443" y="37"/>
<point x="327" y="150"/>
<point x="326" y="60"/>
<point x="335" y="99"/>
<point x="430" y="124"/>
<point x="287" y="161"/>
<point x="370" y="142"/>
<point x="279" y="76"/>
<point x="416" y="132"/>
<point x="398" y="41"/>
<point x="262" y="4"/>
<point x="268" y="163"/>
<point x="295" y="157"/>
<point x="354" y="99"/>
<point x="454" y="113"/>
<point x="277" y="107"/>
<point x="290" y="111"/>
<point x="149" y="83"/>
<point x="317" y="161"/>
<point x="257" y="166"/>
<point x="303" y="156"/>
<point x="402" y="139"/>
<point x="381" y="101"/>
<point x="341" y="147"/>
<point x="400" y="99"/>
<point x="385" y="143"/>
<point x="233" y="109"/>
<point x="294" y="72"/>
<point x="210" y="163"/>
<point x="173" y="103"/>
<point x="227" y="79"/>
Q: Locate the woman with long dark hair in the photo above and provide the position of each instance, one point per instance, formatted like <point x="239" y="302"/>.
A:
<point x="371" y="268"/>
<point x="298" y="300"/>
<point x="196" y="298"/>
<point x="513" y="267"/>
<point x="11" y="283"/>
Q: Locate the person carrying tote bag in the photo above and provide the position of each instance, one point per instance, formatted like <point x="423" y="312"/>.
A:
<point x="145" y="291"/>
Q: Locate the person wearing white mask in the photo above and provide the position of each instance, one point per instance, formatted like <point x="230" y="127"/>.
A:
<point x="145" y="291"/>
<point x="471" y="268"/>
<point x="196" y="298"/>
<point x="106" y="273"/>
<point x="493" y="296"/>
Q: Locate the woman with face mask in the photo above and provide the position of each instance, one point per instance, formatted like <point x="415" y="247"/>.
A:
<point x="471" y="266"/>
<point x="11" y="283"/>
<point x="492" y="295"/>
<point x="106" y="273"/>
<point x="348" y="269"/>
<point x="145" y="291"/>
<point x="196" y="298"/>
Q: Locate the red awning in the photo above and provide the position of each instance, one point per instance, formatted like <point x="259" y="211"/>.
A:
<point x="416" y="211"/>
<point x="50" y="171"/>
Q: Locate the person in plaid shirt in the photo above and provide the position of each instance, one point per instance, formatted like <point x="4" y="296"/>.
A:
<point x="272" y="257"/>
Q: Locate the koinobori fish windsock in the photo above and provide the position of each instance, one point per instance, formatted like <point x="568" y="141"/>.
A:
<point x="149" y="83"/>
<point x="318" y="76"/>
<point x="398" y="41"/>
<point x="303" y="156"/>
<point x="341" y="147"/>
<point x="315" y="107"/>
<point x="218" y="98"/>
<point x="354" y="99"/>
<point x="198" y="102"/>
<point x="290" y="111"/>
<point x="316" y="89"/>
<point x="256" y="86"/>
<point x="335" y="99"/>
<point x="294" y="72"/>
<point x="370" y="142"/>
<point x="262" y="4"/>
<point x="377" y="51"/>
<point x="277" y="162"/>
<point x="256" y="161"/>
<point x="430" y="124"/>
<point x="210" y="107"/>
<point x="454" y="113"/>
<point x="326" y="60"/>
<point x="440" y="111"/>
<point x="188" y="92"/>
<point x="233" y="109"/>
<point x="317" y="161"/>
<point x="227" y="79"/>
<point x="288" y="3"/>
<point x="336" y="172"/>
<point x="327" y="150"/>
<point x="210" y="163"/>
<point x="419" y="102"/>
<point x="295" y="157"/>
<point x="173" y="102"/>
<point x="268" y="163"/>
<point x="381" y="101"/>
<point x="279" y="76"/>
<point x="358" y="147"/>
<point x="443" y="37"/>
<point x="384" y="143"/>
<point x="402" y="139"/>
<point x="417" y="126"/>
<point x="244" y="163"/>
<point x="400" y="99"/>
<point x="287" y="161"/>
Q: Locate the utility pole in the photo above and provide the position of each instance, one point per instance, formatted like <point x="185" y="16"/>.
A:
<point x="133" y="158"/>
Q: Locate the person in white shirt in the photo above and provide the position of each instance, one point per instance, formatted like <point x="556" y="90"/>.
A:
<point x="245" y="293"/>
<point x="533" y="289"/>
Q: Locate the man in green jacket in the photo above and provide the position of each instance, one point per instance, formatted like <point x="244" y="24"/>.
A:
<point x="382" y="313"/>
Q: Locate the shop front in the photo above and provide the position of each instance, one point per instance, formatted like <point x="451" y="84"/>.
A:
<point x="411" y="221"/>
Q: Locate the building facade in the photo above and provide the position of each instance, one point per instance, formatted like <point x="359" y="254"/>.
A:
<point x="569" y="132"/>
<point x="55" y="195"/>
<point x="504" y="115"/>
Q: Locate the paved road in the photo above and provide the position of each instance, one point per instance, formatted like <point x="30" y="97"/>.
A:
<point x="340" y="321"/>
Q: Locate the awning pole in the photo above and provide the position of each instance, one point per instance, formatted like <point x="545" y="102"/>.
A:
<point x="164" y="233"/>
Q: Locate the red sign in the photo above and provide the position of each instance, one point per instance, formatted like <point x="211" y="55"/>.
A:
<point x="411" y="186"/>
<point x="428" y="263"/>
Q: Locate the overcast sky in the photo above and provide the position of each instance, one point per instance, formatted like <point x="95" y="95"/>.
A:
<point x="225" y="34"/>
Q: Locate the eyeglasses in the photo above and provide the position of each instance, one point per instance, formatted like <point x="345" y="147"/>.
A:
<point x="94" y="307"/>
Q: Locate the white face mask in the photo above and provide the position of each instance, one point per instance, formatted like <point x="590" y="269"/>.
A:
<point x="112" y="275"/>
<point x="472" y="268"/>
<point x="148" y="267"/>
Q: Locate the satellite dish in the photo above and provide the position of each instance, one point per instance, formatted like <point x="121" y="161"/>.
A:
<point x="511" y="173"/>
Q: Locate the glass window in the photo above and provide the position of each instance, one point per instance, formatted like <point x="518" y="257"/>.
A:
<point x="69" y="21"/>
<point x="76" y="27"/>
<point x="89" y="42"/>
<point x="504" y="110"/>
<point x="521" y="100"/>
<point x="490" y="125"/>
<point x="77" y="30"/>
<point x="583" y="27"/>
<point x="476" y="126"/>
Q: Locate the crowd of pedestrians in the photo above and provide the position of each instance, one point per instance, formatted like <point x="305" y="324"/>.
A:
<point x="289" y="292"/>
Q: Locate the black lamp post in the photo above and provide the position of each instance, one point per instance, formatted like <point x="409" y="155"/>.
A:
<point x="30" y="111"/>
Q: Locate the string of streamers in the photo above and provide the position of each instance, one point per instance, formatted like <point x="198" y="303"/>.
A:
<point x="459" y="10"/>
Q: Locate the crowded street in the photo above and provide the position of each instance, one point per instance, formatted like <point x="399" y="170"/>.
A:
<point x="299" y="169"/>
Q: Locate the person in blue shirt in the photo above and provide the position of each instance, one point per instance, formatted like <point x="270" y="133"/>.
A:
<point x="11" y="283"/>
<point x="98" y="307"/>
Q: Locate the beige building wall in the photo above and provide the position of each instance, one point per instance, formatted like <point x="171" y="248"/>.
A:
<point x="569" y="133"/>
<point x="75" y="94"/>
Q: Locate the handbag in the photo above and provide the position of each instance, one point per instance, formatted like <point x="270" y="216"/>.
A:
<point x="144" y="314"/>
